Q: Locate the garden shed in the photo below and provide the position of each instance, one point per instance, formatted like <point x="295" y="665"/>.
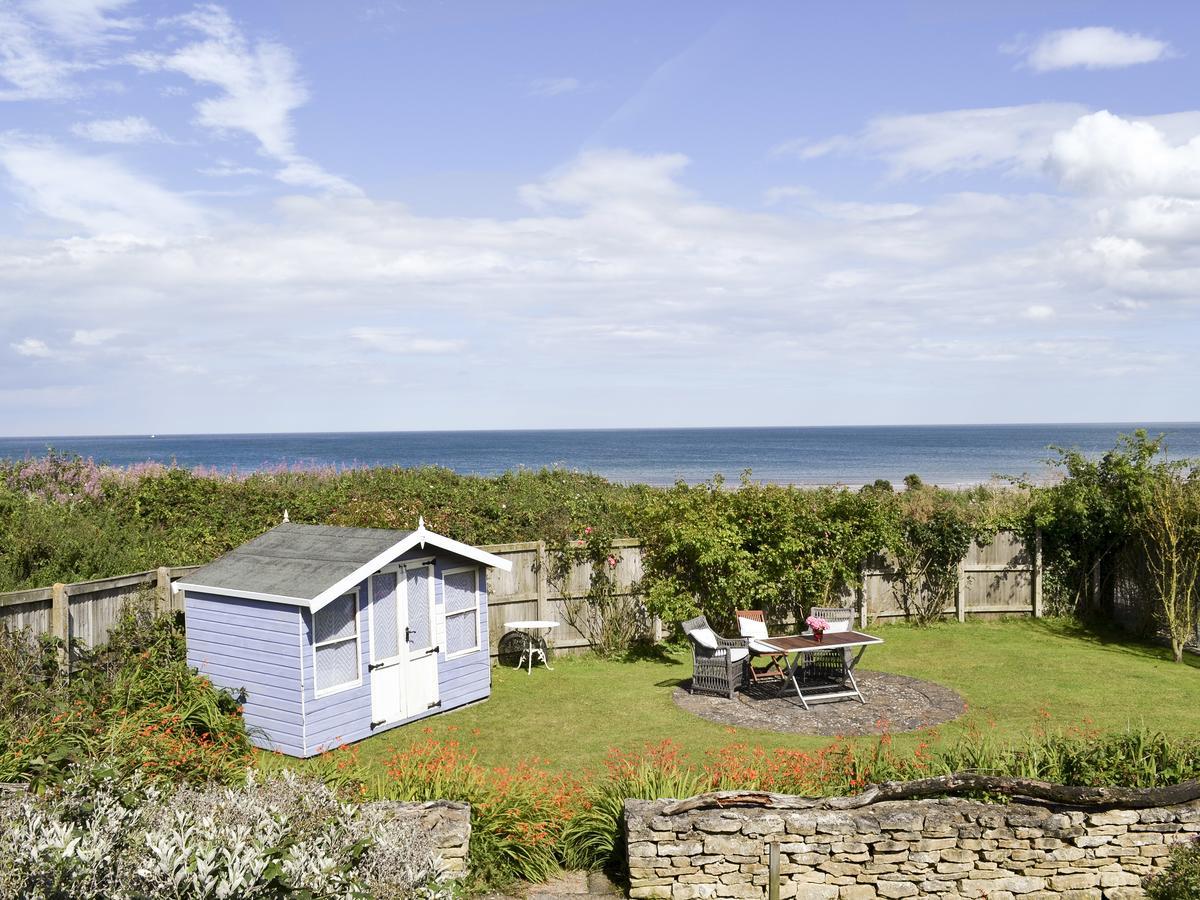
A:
<point x="334" y="634"/>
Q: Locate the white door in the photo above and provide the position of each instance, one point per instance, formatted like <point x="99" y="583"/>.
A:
<point x="388" y="651"/>
<point x="421" y="676"/>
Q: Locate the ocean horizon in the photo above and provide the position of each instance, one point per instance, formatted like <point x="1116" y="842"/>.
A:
<point x="950" y="455"/>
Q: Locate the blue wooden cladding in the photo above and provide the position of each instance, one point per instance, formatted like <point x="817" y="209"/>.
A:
<point x="309" y="677"/>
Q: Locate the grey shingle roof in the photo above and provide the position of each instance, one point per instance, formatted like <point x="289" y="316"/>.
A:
<point x="293" y="560"/>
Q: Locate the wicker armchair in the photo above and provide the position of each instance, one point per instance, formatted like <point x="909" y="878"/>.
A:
<point x="719" y="668"/>
<point x="832" y="664"/>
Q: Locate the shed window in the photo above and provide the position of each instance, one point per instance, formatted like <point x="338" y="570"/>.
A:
<point x="462" y="611"/>
<point x="335" y="644"/>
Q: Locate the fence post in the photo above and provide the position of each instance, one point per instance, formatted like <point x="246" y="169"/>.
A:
<point x="861" y="591"/>
<point x="960" y="606"/>
<point x="543" y="563"/>
<point x="163" y="599"/>
<point x="1037" y="574"/>
<point x="60" y="621"/>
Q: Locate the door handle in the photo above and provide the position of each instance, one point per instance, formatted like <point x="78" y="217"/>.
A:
<point x="408" y="635"/>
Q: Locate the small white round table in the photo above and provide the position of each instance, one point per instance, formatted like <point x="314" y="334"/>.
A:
<point x="532" y="647"/>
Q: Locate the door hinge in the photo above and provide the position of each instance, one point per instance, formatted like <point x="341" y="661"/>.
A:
<point x="433" y="704"/>
<point x="377" y="723"/>
<point x="371" y="667"/>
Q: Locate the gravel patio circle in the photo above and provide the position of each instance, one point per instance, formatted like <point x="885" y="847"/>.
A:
<point x="895" y="703"/>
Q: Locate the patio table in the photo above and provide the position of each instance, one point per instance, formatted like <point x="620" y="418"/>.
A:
<point x="799" y="648"/>
<point x="534" y="645"/>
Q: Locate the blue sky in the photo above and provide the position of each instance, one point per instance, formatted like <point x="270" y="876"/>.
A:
<point x="301" y="216"/>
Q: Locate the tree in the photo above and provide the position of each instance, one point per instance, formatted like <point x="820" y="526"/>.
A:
<point x="1169" y="534"/>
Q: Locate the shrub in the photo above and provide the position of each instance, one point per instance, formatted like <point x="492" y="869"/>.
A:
<point x="275" y="838"/>
<point x="1181" y="879"/>
<point x="134" y="704"/>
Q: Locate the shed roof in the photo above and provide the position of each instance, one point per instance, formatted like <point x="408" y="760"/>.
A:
<point x="309" y="565"/>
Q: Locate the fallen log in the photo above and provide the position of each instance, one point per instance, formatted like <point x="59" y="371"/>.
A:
<point x="1027" y="790"/>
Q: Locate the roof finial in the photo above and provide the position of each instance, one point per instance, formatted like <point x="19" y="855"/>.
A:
<point x="285" y="516"/>
<point x="420" y="523"/>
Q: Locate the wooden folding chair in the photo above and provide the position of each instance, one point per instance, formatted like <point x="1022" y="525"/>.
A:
<point x="772" y="671"/>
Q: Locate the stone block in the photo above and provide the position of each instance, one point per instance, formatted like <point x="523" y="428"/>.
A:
<point x="1138" y="839"/>
<point x="1091" y="840"/>
<point x="800" y="823"/>
<point x="720" y="823"/>
<point x="896" y="889"/>
<point x="693" y="891"/>
<point x="838" y="868"/>
<point x="1077" y="881"/>
<point x="681" y="848"/>
<point x="945" y="843"/>
<point x="642" y="849"/>
<point x="900" y="819"/>
<point x="1115" y="817"/>
<point x="849" y="847"/>
<point x="857" y="892"/>
<point x="739" y="890"/>
<point x="954" y="855"/>
<point x="736" y="845"/>
<point x="720" y="868"/>
<point x="809" y="891"/>
<point x="1124" y="893"/>
<point x="651" y="890"/>
<point x="761" y="825"/>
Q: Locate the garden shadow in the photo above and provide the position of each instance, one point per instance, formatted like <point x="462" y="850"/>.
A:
<point x="1111" y="639"/>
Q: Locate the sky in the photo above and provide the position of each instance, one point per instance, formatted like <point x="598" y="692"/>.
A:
<point x="292" y="215"/>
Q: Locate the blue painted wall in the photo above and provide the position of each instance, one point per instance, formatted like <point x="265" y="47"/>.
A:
<point x="345" y="717"/>
<point x="253" y="646"/>
<point x="266" y="648"/>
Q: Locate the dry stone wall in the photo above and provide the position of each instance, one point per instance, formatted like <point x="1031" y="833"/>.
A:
<point x="448" y="824"/>
<point x="948" y="849"/>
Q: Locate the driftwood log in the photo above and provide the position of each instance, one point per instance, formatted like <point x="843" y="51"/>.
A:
<point x="1025" y="789"/>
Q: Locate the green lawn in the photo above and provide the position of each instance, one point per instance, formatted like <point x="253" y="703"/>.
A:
<point x="1009" y="672"/>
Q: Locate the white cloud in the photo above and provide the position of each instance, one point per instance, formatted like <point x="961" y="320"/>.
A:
<point x="260" y="87"/>
<point x="1013" y="138"/>
<point x="94" y="193"/>
<point x="1096" y="47"/>
<point x="94" y="337"/>
<point x="45" y="43"/>
<point x="1105" y="153"/>
<point x="553" y="87"/>
<point x="404" y="340"/>
<point x="129" y="130"/>
<point x="225" y="169"/>
<point x="82" y="22"/>
<point x="1039" y="311"/>
<point x="32" y="347"/>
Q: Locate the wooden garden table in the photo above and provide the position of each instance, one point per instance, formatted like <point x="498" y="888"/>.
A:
<point x="799" y="648"/>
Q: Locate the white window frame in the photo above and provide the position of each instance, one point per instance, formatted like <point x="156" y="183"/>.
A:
<point x="357" y="638"/>
<point x="446" y="614"/>
<point x="398" y="571"/>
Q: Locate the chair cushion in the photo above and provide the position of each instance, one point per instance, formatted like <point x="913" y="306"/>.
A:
<point x="751" y="628"/>
<point x="761" y="647"/>
<point x="843" y="625"/>
<point x="705" y="637"/>
<point x="737" y="654"/>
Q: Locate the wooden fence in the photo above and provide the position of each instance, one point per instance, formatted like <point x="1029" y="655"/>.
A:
<point x="1000" y="578"/>
<point x="526" y="592"/>
<point x="85" y="611"/>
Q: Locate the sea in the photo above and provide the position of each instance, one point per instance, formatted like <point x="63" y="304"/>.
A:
<point x="949" y="455"/>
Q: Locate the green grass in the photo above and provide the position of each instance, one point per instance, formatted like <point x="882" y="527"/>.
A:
<point x="1015" y="675"/>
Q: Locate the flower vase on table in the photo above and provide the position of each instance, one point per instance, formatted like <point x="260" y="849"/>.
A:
<point x="818" y="626"/>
